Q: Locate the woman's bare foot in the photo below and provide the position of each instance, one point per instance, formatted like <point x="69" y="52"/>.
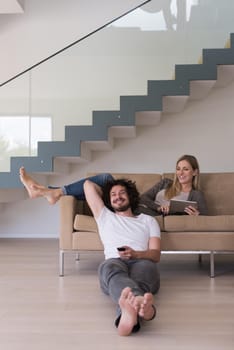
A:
<point x="35" y="190"/>
<point x="32" y="187"/>
<point x="145" y="306"/>
<point x="128" y="313"/>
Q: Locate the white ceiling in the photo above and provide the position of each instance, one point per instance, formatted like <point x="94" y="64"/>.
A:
<point x="11" y="6"/>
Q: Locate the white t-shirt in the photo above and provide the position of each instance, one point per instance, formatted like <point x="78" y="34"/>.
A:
<point x="117" y="230"/>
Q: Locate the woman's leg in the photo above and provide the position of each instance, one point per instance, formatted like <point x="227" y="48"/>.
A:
<point x="53" y="194"/>
<point x="36" y="190"/>
<point x="76" y="188"/>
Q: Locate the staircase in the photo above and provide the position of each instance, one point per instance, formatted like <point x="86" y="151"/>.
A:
<point x="192" y="81"/>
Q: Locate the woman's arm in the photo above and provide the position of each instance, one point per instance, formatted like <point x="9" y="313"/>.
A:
<point x="199" y="197"/>
<point x="147" y="199"/>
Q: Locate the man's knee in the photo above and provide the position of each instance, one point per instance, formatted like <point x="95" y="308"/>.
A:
<point x="110" y="267"/>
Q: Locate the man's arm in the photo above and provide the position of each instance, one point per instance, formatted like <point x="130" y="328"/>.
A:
<point x="152" y="253"/>
<point x="93" y="195"/>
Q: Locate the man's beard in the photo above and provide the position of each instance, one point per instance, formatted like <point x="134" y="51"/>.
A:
<point x="123" y="208"/>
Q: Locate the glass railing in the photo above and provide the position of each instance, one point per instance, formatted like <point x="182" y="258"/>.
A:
<point x="117" y="60"/>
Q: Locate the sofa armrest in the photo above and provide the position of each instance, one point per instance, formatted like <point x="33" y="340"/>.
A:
<point x="69" y="206"/>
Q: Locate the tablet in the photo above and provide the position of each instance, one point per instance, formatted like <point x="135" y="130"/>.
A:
<point x="178" y="206"/>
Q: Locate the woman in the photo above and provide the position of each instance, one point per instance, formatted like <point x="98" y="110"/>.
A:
<point x="184" y="186"/>
<point x="153" y="202"/>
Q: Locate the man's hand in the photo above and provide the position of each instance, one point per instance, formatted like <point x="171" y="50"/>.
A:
<point x="150" y="254"/>
<point x="127" y="253"/>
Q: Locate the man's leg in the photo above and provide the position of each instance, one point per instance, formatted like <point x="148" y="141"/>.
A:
<point x="127" y="321"/>
<point x="132" y="309"/>
<point x="145" y="274"/>
<point x="115" y="281"/>
<point x="114" y="277"/>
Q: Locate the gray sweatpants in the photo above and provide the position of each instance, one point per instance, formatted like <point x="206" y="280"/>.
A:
<point x="140" y="275"/>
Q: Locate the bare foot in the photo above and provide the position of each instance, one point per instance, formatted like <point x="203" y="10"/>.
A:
<point x="145" y="306"/>
<point x="128" y="313"/>
<point x="52" y="194"/>
<point x="32" y="187"/>
<point x="35" y="190"/>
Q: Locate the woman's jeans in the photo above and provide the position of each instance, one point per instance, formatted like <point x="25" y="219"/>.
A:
<point x="76" y="189"/>
<point x="141" y="275"/>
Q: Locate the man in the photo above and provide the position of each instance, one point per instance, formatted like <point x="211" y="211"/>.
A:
<point x="131" y="243"/>
<point x="129" y="276"/>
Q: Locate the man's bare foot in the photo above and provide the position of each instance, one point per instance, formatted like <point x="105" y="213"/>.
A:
<point x="35" y="190"/>
<point x="128" y="313"/>
<point x="145" y="306"/>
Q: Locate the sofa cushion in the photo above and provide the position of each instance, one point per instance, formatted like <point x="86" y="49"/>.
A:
<point x="87" y="223"/>
<point x="143" y="181"/>
<point x="89" y="241"/>
<point x="218" y="189"/>
<point x="160" y="221"/>
<point x="197" y="241"/>
<point x="186" y="223"/>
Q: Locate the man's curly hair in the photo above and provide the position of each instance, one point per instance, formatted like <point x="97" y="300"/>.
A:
<point x="130" y="187"/>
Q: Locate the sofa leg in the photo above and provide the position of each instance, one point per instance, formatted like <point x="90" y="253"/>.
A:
<point x="212" y="273"/>
<point x="61" y="263"/>
<point x="200" y="258"/>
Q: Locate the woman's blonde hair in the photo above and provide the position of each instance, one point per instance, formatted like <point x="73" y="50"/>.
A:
<point x="175" y="187"/>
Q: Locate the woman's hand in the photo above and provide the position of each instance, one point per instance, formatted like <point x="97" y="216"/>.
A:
<point x="164" y="209"/>
<point x="190" y="210"/>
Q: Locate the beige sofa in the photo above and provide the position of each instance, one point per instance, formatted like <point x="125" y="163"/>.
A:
<point x="193" y="234"/>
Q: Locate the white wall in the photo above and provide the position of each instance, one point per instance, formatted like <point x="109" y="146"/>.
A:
<point x="47" y="26"/>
